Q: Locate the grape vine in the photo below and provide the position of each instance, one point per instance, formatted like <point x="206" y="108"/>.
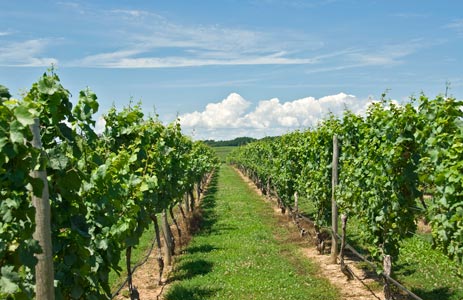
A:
<point x="104" y="189"/>
<point x="387" y="157"/>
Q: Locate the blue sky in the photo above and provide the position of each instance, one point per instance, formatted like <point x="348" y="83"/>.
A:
<point x="236" y="67"/>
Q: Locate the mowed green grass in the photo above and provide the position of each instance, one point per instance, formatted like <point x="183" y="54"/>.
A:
<point x="240" y="252"/>
<point x="427" y="271"/>
<point x="222" y="152"/>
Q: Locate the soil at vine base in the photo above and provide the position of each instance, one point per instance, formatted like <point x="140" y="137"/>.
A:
<point x="145" y="278"/>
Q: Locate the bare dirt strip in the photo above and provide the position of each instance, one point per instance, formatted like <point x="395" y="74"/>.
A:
<point x="145" y="278"/>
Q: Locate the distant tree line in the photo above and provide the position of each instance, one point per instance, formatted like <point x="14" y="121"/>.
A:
<point x="239" y="141"/>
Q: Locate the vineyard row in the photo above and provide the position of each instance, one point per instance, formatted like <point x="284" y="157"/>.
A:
<point x="389" y="159"/>
<point x="102" y="190"/>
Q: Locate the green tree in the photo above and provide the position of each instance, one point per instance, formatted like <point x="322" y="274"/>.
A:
<point x="4" y="92"/>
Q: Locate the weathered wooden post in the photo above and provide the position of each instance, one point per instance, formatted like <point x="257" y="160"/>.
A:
<point x="334" y="207"/>
<point x="387" y="266"/>
<point x="174" y="220"/>
<point x="344" y="268"/>
<point x="343" y="236"/>
<point x="167" y="238"/>
<point x="44" y="273"/>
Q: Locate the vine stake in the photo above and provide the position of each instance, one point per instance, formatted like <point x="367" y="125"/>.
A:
<point x="334" y="207"/>
<point x="44" y="269"/>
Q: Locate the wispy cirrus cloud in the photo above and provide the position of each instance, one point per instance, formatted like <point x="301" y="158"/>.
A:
<point x="74" y="6"/>
<point x="295" y="3"/>
<point x="114" y="60"/>
<point x="395" y="53"/>
<point x="131" y="13"/>
<point x="26" y="54"/>
<point x="368" y="56"/>
<point x="456" y="25"/>
<point x="152" y="41"/>
<point x="388" y="55"/>
<point x="145" y="39"/>
<point x="408" y="15"/>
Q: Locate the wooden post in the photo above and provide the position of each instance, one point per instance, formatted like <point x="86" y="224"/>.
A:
<point x="172" y="238"/>
<point x="334" y="207"/>
<point x="343" y="237"/>
<point x="167" y="238"/>
<point x="387" y="266"/>
<point x="44" y="274"/>
<point x="344" y="268"/>
<point x="179" y="232"/>
<point x="295" y="212"/>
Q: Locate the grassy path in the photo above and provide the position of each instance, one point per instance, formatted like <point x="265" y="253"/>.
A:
<point x="240" y="252"/>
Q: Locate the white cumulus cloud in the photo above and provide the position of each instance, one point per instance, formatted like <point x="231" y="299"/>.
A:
<point x="100" y="125"/>
<point x="224" y="114"/>
<point x="234" y="116"/>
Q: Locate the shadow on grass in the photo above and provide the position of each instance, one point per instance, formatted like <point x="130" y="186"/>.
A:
<point x="208" y="216"/>
<point x="441" y="293"/>
<point x="191" y="269"/>
<point x="178" y="292"/>
<point x="201" y="249"/>
<point x="405" y="269"/>
<point x="205" y="218"/>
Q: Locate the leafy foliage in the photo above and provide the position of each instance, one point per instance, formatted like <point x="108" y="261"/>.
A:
<point x="4" y="93"/>
<point x="102" y="188"/>
<point x="378" y="179"/>
<point x="386" y="156"/>
<point x="441" y="136"/>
